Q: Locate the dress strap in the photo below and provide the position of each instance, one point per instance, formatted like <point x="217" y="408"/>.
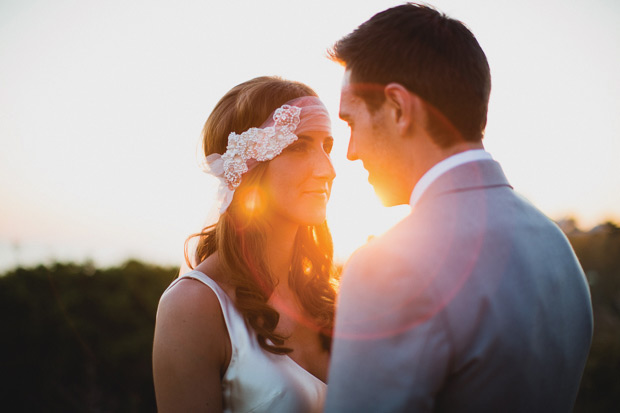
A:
<point x="235" y="323"/>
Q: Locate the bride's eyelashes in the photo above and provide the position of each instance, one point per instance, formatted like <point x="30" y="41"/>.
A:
<point x="299" y="146"/>
<point x="304" y="144"/>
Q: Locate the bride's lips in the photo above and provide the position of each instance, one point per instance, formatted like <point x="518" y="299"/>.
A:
<point x="319" y="193"/>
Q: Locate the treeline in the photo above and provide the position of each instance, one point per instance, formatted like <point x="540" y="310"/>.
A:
<point x="75" y="338"/>
<point x="78" y="339"/>
<point x="599" y="254"/>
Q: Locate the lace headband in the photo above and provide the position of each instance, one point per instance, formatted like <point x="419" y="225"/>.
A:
<point x="262" y="144"/>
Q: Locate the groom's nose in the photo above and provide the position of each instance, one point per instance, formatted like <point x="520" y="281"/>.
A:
<point x="351" y="151"/>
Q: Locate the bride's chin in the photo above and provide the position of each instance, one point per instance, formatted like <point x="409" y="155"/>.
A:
<point x="315" y="220"/>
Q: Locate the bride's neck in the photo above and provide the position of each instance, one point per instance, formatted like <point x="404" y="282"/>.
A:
<point x="279" y="251"/>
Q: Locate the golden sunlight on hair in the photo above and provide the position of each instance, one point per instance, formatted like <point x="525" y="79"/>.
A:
<point x="307" y="266"/>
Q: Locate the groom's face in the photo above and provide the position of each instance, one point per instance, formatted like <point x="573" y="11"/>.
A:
<point x="373" y="143"/>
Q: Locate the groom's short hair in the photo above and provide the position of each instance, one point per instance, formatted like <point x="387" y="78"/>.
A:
<point x="432" y="55"/>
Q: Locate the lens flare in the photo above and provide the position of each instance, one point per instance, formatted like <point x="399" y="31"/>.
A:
<point x="253" y="201"/>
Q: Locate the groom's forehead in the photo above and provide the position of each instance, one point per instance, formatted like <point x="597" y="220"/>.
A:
<point x="351" y="100"/>
<point x="348" y="95"/>
<point x="348" y="102"/>
<point x="346" y="78"/>
<point x="348" y="89"/>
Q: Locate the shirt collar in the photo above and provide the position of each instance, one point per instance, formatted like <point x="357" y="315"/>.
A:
<point x="444" y="166"/>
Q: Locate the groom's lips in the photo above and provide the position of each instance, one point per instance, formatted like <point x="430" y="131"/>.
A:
<point x="367" y="170"/>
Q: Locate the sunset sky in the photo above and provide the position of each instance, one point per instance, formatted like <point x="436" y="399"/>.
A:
<point x="102" y="104"/>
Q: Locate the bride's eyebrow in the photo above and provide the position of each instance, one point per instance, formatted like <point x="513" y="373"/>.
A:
<point x="310" y="138"/>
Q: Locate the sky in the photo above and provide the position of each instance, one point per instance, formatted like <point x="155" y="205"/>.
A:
<point x="102" y="104"/>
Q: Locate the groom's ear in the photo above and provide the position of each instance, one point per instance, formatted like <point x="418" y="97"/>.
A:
<point x="406" y="107"/>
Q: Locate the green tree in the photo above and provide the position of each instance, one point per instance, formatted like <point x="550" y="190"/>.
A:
<point x="78" y="338"/>
<point x="599" y="254"/>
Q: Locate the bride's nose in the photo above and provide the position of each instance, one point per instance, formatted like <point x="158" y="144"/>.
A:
<point x="323" y="167"/>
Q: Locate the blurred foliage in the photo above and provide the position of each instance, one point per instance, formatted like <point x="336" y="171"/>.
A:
<point x="76" y="338"/>
<point x="79" y="339"/>
<point x="599" y="254"/>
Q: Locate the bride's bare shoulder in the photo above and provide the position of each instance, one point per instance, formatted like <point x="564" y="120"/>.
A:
<point x="190" y="326"/>
<point x="191" y="347"/>
<point x="191" y="302"/>
<point x="190" y="307"/>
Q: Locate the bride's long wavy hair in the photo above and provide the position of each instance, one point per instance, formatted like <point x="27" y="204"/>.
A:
<point x="239" y="235"/>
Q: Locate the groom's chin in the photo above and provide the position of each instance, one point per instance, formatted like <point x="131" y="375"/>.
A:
<point x="389" y="198"/>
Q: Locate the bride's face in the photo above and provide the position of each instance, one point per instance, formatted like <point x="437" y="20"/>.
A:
<point x="298" y="182"/>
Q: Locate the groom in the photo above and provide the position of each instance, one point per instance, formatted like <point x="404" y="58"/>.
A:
<point x="475" y="301"/>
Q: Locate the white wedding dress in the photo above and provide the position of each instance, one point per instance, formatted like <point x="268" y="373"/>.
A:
<point x="256" y="380"/>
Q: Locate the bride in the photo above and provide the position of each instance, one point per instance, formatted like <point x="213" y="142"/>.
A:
<point x="249" y="329"/>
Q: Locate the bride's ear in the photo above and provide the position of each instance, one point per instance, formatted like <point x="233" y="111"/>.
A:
<point x="406" y="107"/>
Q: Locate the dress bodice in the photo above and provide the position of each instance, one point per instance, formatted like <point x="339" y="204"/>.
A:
<point x="257" y="380"/>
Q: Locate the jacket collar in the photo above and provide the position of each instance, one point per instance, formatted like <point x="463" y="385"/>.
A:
<point x="468" y="176"/>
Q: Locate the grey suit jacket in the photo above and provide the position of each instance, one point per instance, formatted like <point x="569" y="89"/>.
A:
<point x="474" y="302"/>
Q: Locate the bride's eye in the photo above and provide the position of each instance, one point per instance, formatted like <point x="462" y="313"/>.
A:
<point x="328" y="145"/>
<point x="297" y="147"/>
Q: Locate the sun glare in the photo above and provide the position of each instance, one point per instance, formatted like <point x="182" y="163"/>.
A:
<point x="253" y="201"/>
<point x="355" y="213"/>
<point x="107" y="148"/>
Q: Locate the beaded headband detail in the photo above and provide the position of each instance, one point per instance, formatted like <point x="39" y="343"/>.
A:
<point x="263" y="144"/>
